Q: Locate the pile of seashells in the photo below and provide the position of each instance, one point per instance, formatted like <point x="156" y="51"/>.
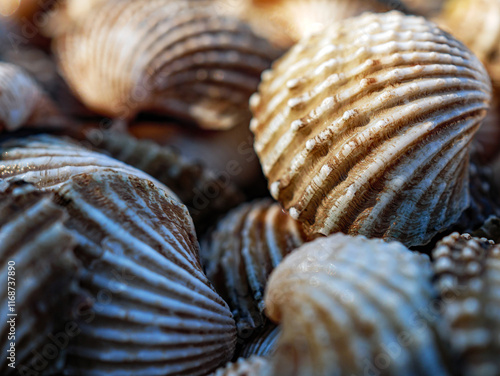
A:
<point x="250" y="187"/>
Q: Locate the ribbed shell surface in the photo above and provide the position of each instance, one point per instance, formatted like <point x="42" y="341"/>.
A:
<point x="39" y="271"/>
<point x="185" y="178"/>
<point x="175" y="57"/>
<point x="242" y="251"/>
<point x="263" y="344"/>
<point x="22" y="101"/>
<point x="468" y="278"/>
<point x="365" y="127"/>
<point x="254" y="366"/>
<point x="348" y="304"/>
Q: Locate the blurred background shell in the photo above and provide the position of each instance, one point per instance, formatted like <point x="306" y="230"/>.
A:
<point x="426" y="8"/>
<point x="349" y="304"/>
<point x="254" y="366"/>
<point x="34" y="241"/>
<point x="174" y="57"/>
<point x="262" y="344"/>
<point x="365" y="128"/>
<point x="23" y="102"/>
<point x="241" y="252"/>
<point x="468" y="278"/>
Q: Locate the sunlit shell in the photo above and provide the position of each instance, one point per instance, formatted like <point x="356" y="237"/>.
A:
<point x="22" y="101"/>
<point x="242" y="251"/>
<point x="205" y="193"/>
<point x="263" y="344"/>
<point x="34" y="241"/>
<point x="346" y="304"/>
<point x="175" y="57"/>
<point x="365" y="128"/>
<point x="477" y="24"/>
<point x="468" y="277"/>
<point x="254" y="366"/>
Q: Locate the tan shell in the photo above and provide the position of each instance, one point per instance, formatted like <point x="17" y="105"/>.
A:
<point x="206" y="194"/>
<point x="348" y="304"/>
<point x="468" y="277"/>
<point x="242" y="251"/>
<point x="175" y="57"/>
<point x="254" y="366"/>
<point x="22" y="101"/>
<point x="43" y="277"/>
<point x="365" y="128"/>
<point x="263" y="344"/>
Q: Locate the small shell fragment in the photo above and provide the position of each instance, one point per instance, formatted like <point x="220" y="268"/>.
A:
<point x="347" y="303"/>
<point x="175" y="57"/>
<point x="365" y="128"/>
<point x="39" y="272"/>
<point x="468" y="278"/>
<point x="242" y="251"/>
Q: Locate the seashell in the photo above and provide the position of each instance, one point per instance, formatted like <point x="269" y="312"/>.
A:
<point x="154" y="311"/>
<point x="490" y="229"/>
<point x="483" y="17"/>
<point x="263" y="344"/>
<point x="37" y="266"/>
<point x="468" y="277"/>
<point x="254" y="366"/>
<point x="205" y="193"/>
<point x="348" y="304"/>
<point x="242" y="251"/>
<point x="365" y="128"/>
<point x="22" y="101"/>
<point x="486" y="142"/>
<point x="179" y="60"/>
<point x="425" y="8"/>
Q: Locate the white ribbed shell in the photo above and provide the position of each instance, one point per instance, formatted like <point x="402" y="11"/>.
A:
<point x="468" y="278"/>
<point x="342" y="301"/>
<point x="176" y="57"/>
<point x="365" y="128"/>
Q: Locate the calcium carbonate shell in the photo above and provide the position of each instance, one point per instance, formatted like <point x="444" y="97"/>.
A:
<point x="254" y="366"/>
<point x="263" y="343"/>
<point x="365" y="127"/>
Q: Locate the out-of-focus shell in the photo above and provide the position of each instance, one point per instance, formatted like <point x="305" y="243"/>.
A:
<point x="425" y="8"/>
<point x="365" y="128"/>
<point x="22" y="101"/>
<point x="477" y="24"/>
<point x="348" y="304"/>
<point x="489" y="230"/>
<point x="175" y="57"/>
<point x="242" y="251"/>
<point x="486" y="142"/>
<point x="39" y="271"/>
<point x="206" y="194"/>
<point x="263" y="344"/>
<point x="254" y="366"/>
<point x="468" y="277"/>
<point x="153" y="312"/>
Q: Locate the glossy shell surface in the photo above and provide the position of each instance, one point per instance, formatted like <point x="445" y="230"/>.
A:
<point x="365" y="127"/>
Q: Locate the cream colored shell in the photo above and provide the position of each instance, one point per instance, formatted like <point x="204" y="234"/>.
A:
<point x="254" y="366"/>
<point x="365" y="128"/>
<point x="468" y="277"/>
<point x="348" y="304"/>
<point x="241" y="252"/>
<point x="176" y="57"/>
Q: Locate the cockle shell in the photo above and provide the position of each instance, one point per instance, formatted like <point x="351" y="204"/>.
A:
<point x="22" y="101"/>
<point x="365" y="128"/>
<point x="242" y="251"/>
<point x="263" y="344"/>
<point x="175" y="57"/>
<point x="468" y="277"/>
<point x="153" y="311"/>
<point x="43" y="279"/>
<point x="348" y="304"/>
<point x="205" y="193"/>
<point x="254" y="366"/>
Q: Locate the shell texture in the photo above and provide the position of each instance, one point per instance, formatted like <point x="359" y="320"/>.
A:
<point x="175" y="57"/>
<point x="154" y="311"/>
<point x="263" y="344"/>
<point x="39" y="267"/>
<point x="348" y="304"/>
<point x="22" y="101"/>
<point x="365" y="128"/>
<point x="242" y="251"/>
<point x="468" y="277"/>
<point x="254" y="366"/>
<point x="189" y="181"/>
